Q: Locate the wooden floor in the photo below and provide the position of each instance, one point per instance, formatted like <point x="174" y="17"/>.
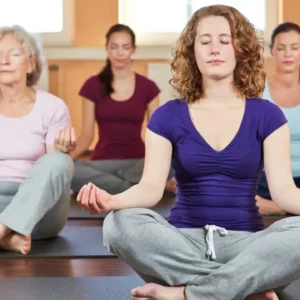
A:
<point x="29" y="267"/>
<point x="55" y="267"/>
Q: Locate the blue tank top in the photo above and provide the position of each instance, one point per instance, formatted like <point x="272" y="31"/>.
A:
<point x="293" y="117"/>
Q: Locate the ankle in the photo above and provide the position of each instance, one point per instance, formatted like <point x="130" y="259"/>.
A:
<point x="4" y="231"/>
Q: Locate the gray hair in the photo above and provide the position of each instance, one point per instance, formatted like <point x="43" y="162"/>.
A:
<point x="32" y="48"/>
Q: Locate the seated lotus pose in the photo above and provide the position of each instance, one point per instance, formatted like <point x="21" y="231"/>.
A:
<point x="219" y="135"/>
<point x="117" y="99"/>
<point x="35" y="134"/>
<point x="283" y="89"/>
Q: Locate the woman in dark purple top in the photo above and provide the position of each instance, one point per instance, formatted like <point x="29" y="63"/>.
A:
<point x="118" y="100"/>
<point x="219" y="135"/>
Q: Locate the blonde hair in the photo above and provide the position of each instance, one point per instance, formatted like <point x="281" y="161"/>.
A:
<point x="249" y="75"/>
<point x="31" y="47"/>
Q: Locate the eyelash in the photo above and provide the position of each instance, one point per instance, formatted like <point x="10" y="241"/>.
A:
<point x="126" y="48"/>
<point x="292" y="49"/>
<point x="206" y="43"/>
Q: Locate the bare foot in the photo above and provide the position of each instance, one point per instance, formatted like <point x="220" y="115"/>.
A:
<point x="269" y="295"/>
<point x="171" y="185"/>
<point x="153" y="291"/>
<point x="16" y="242"/>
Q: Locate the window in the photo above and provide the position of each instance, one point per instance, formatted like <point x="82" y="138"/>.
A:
<point x="159" y="22"/>
<point x="53" y="20"/>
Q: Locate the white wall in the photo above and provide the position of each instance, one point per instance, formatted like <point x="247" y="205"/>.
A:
<point x="161" y="74"/>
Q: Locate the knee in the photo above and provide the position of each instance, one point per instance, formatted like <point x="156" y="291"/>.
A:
<point x="60" y="164"/>
<point x="288" y="223"/>
<point x="78" y="166"/>
<point x="115" y="225"/>
<point x="121" y="227"/>
<point x="78" y="181"/>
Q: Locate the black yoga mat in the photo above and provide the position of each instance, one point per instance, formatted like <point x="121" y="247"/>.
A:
<point x="74" y="242"/>
<point x="291" y="292"/>
<point x="88" y="288"/>
<point x="76" y="212"/>
<point x="163" y="208"/>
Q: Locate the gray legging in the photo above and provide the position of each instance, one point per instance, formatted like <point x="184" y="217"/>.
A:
<point x="39" y="206"/>
<point x="213" y="263"/>
<point x="114" y="176"/>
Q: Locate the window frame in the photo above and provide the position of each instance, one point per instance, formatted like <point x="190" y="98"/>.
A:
<point x="66" y="36"/>
<point x="169" y="38"/>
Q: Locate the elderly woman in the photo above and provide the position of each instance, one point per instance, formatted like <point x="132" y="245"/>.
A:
<point x="35" y="133"/>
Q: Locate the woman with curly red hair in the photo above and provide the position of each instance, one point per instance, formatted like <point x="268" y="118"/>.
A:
<point x="219" y="134"/>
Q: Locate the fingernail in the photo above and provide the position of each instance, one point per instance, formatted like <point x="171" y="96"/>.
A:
<point x="133" y="292"/>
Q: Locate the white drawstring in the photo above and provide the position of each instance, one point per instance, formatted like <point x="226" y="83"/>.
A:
<point x="210" y="239"/>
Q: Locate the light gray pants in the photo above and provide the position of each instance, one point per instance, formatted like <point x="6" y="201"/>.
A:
<point x="39" y="206"/>
<point x="246" y="263"/>
<point x="114" y="176"/>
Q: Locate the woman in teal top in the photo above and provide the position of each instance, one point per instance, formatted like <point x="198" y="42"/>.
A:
<point x="283" y="88"/>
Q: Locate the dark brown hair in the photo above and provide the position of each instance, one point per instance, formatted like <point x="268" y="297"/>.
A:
<point x="283" y="27"/>
<point x="106" y="74"/>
